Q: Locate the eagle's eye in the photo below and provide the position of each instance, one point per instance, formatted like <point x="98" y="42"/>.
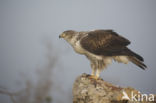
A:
<point x="63" y="34"/>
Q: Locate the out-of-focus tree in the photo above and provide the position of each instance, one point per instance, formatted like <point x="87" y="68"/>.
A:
<point x="38" y="92"/>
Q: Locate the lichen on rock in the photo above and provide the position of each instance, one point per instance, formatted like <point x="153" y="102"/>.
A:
<point x="88" y="90"/>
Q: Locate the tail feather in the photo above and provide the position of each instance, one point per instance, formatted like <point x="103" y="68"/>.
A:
<point x="131" y="53"/>
<point x="138" y="62"/>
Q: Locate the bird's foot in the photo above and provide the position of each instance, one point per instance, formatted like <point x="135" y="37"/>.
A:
<point x="93" y="77"/>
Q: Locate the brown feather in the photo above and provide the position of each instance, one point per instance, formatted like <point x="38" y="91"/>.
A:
<point x="138" y="62"/>
<point x="104" y="42"/>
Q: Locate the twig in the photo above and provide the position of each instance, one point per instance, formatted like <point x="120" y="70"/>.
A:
<point x="11" y="95"/>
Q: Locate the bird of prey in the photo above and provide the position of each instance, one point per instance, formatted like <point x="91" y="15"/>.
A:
<point x="101" y="47"/>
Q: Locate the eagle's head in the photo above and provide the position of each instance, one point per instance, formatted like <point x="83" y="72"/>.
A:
<point x="68" y="35"/>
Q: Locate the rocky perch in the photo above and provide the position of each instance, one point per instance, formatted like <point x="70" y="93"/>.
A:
<point x="88" y="90"/>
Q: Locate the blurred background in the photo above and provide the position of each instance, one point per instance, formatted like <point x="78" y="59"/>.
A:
<point x="36" y="66"/>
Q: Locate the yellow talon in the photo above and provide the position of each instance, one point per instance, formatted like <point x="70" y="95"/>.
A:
<point x="93" y="77"/>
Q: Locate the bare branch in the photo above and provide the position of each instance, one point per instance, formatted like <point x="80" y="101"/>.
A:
<point x="12" y="94"/>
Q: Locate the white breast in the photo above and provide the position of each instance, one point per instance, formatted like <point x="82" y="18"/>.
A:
<point x="78" y="48"/>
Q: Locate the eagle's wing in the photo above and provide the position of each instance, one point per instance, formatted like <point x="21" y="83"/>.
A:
<point x="104" y="42"/>
<point x="109" y="43"/>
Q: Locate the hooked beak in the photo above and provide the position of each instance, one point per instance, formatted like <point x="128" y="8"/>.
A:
<point x="62" y="35"/>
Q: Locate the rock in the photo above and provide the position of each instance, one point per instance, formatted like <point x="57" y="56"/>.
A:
<point x="88" y="90"/>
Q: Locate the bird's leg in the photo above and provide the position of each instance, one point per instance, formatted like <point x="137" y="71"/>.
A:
<point x="93" y="71"/>
<point x="93" y="76"/>
<point x="97" y="73"/>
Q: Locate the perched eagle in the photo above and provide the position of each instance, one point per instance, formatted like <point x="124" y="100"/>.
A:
<point x="101" y="47"/>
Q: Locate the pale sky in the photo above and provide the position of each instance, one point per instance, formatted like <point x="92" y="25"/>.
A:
<point x="25" y="24"/>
